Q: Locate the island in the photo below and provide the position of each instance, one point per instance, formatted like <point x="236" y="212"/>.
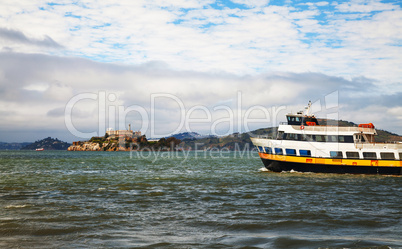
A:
<point x="47" y="144"/>
<point x="125" y="140"/>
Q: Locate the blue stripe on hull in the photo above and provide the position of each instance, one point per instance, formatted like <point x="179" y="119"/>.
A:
<point x="279" y="166"/>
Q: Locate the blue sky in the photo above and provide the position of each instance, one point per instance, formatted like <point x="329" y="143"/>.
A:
<point x="251" y="36"/>
<point x="193" y="43"/>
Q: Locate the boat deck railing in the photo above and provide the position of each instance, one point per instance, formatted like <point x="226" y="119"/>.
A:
<point x="264" y="136"/>
<point x="327" y="128"/>
<point x="389" y="145"/>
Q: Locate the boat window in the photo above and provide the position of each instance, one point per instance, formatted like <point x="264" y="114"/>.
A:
<point x="360" y="139"/>
<point x="400" y="156"/>
<point x="291" y="152"/>
<point x="295" y="137"/>
<point x="387" y="155"/>
<point x="352" y="155"/>
<point x="278" y="151"/>
<point x="291" y="136"/>
<point x="305" y="152"/>
<point x="317" y="138"/>
<point x="332" y="139"/>
<point x="292" y="120"/>
<point x="268" y="150"/>
<point x="345" y="139"/>
<point x="320" y="138"/>
<point x="280" y="135"/>
<point x="260" y="149"/>
<point x="349" y="139"/>
<point x="369" y="155"/>
<point x="336" y="154"/>
<point x="357" y="138"/>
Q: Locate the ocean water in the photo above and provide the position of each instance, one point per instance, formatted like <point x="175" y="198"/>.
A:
<point x="66" y="199"/>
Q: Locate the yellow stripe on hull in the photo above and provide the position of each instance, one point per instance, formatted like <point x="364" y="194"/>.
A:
<point x="332" y="161"/>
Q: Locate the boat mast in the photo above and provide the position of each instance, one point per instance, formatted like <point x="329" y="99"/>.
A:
<point x="308" y="108"/>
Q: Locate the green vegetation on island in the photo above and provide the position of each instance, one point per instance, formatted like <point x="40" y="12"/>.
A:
<point x="125" y="143"/>
<point x="47" y="144"/>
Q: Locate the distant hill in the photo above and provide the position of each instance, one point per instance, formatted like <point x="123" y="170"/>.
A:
<point x="186" y="135"/>
<point x="47" y="144"/>
<point x="190" y="135"/>
<point x="232" y="142"/>
<point x="12" y="146"/>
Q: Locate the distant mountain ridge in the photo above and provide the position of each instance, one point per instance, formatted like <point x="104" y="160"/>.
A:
<point x="12" y="146"/>
<point x="190" y="135"/>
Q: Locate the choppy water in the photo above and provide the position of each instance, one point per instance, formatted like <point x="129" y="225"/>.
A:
<point x="107" y="199"/>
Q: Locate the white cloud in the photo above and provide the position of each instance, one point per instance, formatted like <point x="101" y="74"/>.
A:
<point x="192" y="35"/>
<point x="59" y="91"/>
<point x="39" y="87"/>
<point x="190" y="49"/>
<point x="364" y="6"/>
<point x="252" y="3"/>
<point x="395" y="112"/>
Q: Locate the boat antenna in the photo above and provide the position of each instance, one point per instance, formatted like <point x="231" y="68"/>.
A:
<point x="308" y="108"/>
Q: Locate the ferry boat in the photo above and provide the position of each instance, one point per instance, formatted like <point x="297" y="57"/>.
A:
<point x="303" y="145"/>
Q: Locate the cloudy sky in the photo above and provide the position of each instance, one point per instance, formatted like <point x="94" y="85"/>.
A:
<point x="71" y="69"/>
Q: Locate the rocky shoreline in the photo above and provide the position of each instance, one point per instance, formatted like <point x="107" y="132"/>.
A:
<point x="123" y="143"/>
<point x="90" y="146"/>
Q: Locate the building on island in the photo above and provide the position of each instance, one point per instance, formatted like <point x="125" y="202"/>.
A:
<point x="123" y="133"/>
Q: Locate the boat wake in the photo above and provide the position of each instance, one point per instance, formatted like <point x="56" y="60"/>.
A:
<point x="15" y="206"/>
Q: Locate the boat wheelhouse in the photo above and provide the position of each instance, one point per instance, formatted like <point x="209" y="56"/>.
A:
<point x="303" y="145"/>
